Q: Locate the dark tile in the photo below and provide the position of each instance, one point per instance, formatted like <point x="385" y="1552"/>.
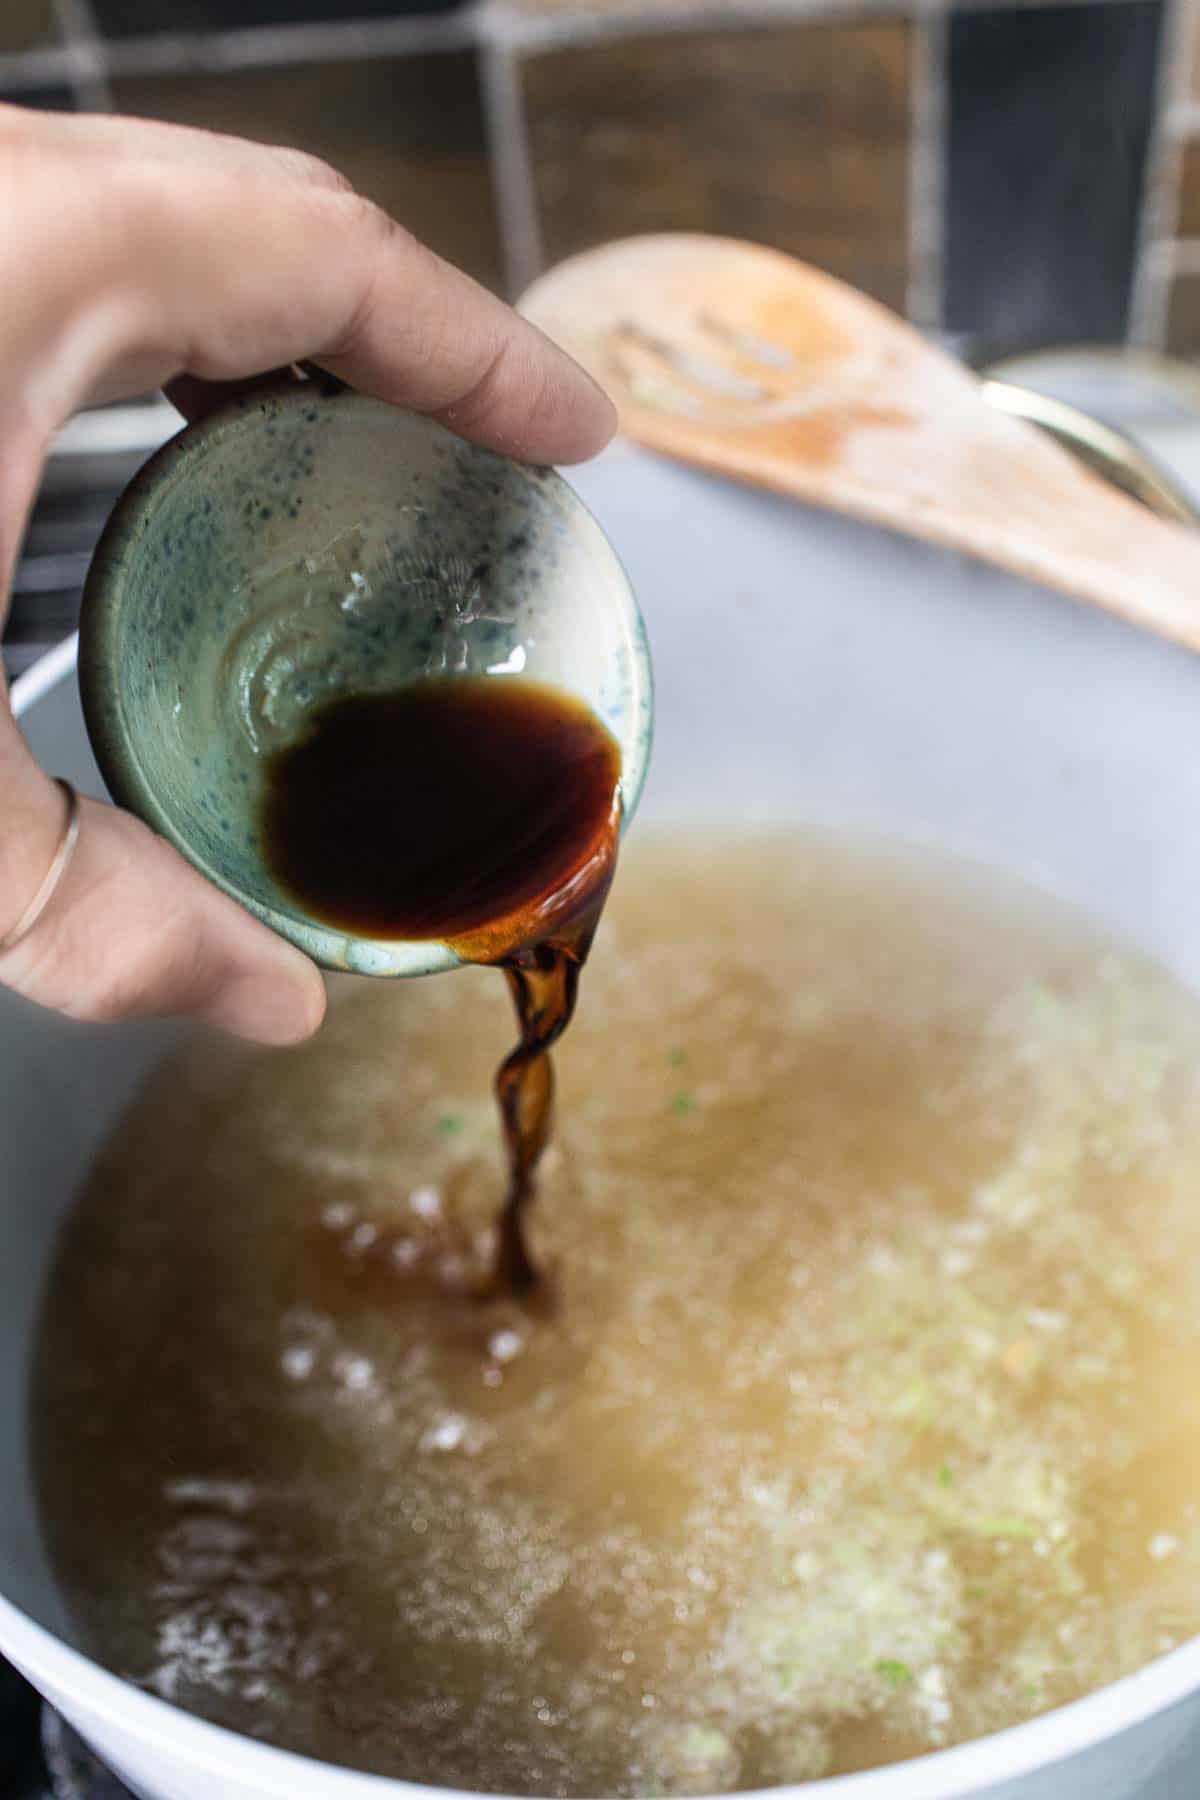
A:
<point x="408" y="133"/>
<point x="1183" y="316"/>
<point x="796" y="136"/>
<point x="125" y="18"/>
<point x="26" y="25"/>
<point x="19" y="1715"/>
<point x="41" y="99"/>
<point x="1049" y="119"/>
<point x="1189" y="189"/>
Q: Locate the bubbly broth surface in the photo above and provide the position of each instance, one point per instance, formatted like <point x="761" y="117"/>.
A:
<point x="866" y="1419"/>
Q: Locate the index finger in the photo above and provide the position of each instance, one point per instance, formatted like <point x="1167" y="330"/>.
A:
<point x="226" y="265"/>
<point x="425" y="335"/>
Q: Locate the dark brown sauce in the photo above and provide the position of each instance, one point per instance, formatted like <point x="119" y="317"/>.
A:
<point x="480" y="810"/>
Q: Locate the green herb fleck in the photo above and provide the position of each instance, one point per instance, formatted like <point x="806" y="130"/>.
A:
<point x="685" y="1103"/>
<point x="918" y="1401"/>
<point x="450" y="1123"/>
<point x="945" y="1475"/>
<point x="1003" y="1525"/>
<point x="677" y="1056"/>
<point x="895" y="1673"/>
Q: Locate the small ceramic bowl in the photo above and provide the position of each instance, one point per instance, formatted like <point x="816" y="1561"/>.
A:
<point x="306" y="542"/>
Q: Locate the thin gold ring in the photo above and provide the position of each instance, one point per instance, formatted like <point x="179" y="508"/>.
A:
<point x="53" y="875"/>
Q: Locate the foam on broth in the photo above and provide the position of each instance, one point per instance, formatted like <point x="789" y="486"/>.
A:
<point x="867" y="1422"/>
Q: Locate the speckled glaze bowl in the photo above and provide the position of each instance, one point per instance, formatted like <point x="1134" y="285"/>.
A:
<point x="306" y="542"/>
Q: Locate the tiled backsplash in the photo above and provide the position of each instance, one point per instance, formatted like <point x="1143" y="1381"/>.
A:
<point x="406" y="130"/>
<point x="1049" y="124"/>
<point x="27" y="24"/>
<point x="1016" y="176"/>
<point x="796" y="136"/>
<point x="131" y="18"/>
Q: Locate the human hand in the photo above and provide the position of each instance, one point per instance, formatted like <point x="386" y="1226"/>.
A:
<point x="135" y="255"/>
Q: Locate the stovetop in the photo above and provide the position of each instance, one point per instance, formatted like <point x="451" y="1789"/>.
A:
<point x="40" y="1756"/>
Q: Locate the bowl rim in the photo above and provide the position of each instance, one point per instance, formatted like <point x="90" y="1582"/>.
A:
<point x="968" y="1769"/>
<point x="101" y="687"/>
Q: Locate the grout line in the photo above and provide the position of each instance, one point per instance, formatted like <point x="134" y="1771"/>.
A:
<point x="1176" y="256"/>
<point x="84" y="45"/>
<point x="1149" y="298"/>
<point x="30" y="69"/>
<point x="1152" y="299"/>
<point x="506" y="21"/>
<point x="927" y="170"/>
<point x="511" y="168"/>
<point x="503" y="22"/>
<point x="1182" y="118"/>
<point x="278" y="46"/>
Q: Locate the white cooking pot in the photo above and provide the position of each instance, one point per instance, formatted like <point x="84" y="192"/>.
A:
<point x="807" y="670"/>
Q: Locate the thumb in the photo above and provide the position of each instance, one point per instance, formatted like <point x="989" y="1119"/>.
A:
<point x="132" y="931"/>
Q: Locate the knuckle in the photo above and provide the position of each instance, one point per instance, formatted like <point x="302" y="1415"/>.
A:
<point x="486" y="393"/>
<point x="155" y="959"/>
<point x="509" y="387"/>
<point x="370" y="224"/>
<point x="312" y="171"/>
<point x="373" y="235"/>
<point x="103" y="991"/>
<point x="157" y="980"/>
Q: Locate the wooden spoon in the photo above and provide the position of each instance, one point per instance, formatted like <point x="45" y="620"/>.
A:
<point x="749" y="363"/>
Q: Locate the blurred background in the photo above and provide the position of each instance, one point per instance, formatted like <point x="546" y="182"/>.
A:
<point x="1013" y="178"/>
<point x="1023" y="175"/>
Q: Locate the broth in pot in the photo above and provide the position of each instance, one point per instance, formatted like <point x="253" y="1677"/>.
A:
<point x="864" y="1423"/>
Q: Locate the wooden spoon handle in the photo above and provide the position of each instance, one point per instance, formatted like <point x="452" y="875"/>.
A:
<point x="1002" y="494"/>
<point x="743" y="361"/>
